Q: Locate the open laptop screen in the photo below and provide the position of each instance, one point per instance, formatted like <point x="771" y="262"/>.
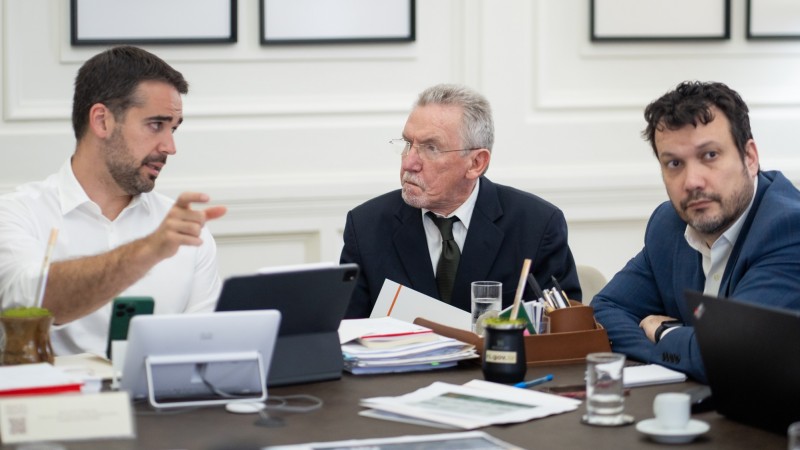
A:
<point x="752" y="358"/>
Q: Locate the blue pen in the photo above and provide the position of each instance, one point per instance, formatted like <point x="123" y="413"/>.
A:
<point x="536" y="382"/>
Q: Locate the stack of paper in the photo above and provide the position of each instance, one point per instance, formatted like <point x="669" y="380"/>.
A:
<point x="394" y="340"/>
<point x="385" y="345"/>
<point x="476" y="404"/>
<point x="33" y="379"/>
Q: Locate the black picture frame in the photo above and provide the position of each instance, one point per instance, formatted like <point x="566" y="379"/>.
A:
<point x="601" y="12"/>
<point x="292" y="22"/>
<point x="213" y="22"/>
<point x="772" y="20"/>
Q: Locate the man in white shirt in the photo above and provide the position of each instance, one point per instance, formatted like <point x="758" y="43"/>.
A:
<point x="115" y="237"/>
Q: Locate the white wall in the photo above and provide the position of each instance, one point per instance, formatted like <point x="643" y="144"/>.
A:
<point x="290" y="138"/>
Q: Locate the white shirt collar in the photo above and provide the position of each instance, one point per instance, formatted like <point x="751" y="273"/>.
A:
<point x="433" y="235"/>
<point x="71" y="194"/>
<point x="464" y="212"/>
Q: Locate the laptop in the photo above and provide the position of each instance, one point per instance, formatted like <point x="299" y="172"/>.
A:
<point x="312" y="300"/>
<point x="752" y="359"/>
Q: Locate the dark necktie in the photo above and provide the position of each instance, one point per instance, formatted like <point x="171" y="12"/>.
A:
<point x="448" y="261"/>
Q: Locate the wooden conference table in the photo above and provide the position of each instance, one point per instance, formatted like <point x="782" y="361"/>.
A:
<point x="213" y="428"/>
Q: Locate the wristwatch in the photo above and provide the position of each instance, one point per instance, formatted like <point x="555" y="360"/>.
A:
<point x="664" y="326"/>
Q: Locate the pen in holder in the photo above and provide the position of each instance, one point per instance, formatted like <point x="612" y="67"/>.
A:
<point x="573" y="335"/>
<point x="576" y="318"/>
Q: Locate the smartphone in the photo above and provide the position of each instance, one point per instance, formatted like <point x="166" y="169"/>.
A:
<point x="122" y="310"/>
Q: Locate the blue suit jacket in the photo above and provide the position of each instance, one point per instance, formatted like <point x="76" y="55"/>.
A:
<point x="386" y="238"/>
<point x="764" y="268"/>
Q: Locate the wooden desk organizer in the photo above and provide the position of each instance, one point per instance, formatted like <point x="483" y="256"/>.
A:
<point x="573" y="334"/>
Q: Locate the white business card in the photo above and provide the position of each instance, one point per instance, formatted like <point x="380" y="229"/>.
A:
<point x="66" y="417"/>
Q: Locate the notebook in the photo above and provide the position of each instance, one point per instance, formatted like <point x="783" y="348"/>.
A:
<point x="650" y="374"/>
<point x="312" y="300"/>
<point x="752" y="359"/>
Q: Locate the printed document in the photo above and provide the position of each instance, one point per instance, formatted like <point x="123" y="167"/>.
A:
<point x="469" y="440"/>
<point x="473" y="405"/>
<point x="404" y="303"/>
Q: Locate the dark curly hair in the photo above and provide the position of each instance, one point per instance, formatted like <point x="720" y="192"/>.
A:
<point x="690" y="102"/>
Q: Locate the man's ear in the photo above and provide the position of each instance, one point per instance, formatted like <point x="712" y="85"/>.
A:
<point x="751" y="157"/>
<point x="479" y="162"/>
<point x="101" y="121"/>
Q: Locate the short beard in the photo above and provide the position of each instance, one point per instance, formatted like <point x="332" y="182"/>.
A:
<point x="124" y="169"/>
<point x="415" y="201"/>
<point x="716" y="225"/>
<point x="412" y="200"/>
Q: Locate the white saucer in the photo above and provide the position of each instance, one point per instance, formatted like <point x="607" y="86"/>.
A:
<point x="618" y="421"/>
<point x="651" y="428"/>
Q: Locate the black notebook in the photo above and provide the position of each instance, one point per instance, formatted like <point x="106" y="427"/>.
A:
<point x="752" y="358"/>
<point x="312" y="300"/>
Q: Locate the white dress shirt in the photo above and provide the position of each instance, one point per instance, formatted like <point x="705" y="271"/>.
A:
<point x="716" y="258"/>
<point x="187" y="282"/>
<point x="434" y="236"/>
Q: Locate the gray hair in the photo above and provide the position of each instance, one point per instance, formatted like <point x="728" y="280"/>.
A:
<point x="477" y="127"/>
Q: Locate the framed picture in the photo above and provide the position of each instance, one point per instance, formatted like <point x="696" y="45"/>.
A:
<point x="773" y="19"/>
<point x="659" y="20"/>
<point x="104" y="22"/>
<point x="336" y="21"/>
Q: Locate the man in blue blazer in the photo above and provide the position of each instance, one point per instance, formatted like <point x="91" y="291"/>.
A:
<point x="729" y="229"/>
<point x="446" y="148"/>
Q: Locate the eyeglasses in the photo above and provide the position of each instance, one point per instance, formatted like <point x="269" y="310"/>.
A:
<point x="425" y="151"/>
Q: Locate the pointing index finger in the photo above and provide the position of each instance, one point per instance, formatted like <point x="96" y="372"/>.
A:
<point x="187" y="198"/>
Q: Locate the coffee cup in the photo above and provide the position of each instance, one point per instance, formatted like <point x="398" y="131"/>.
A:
<point x="672" y="410"/>
<point x="793" y="433"/>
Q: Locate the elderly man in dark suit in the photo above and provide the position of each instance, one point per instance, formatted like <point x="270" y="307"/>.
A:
<point x="449" y="225"/>
<point x="729" y="229"/>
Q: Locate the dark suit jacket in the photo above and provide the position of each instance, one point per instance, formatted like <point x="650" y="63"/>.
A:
<point x="386" y="238"/>
<point x="764" y="267"/>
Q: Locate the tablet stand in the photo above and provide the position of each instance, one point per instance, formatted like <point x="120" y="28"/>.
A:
<point x="152" y="362"/>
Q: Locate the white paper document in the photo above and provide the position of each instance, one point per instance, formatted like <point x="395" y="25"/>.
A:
<point x="404" y="303"/>
<point x="477" y="440"/>
<point x="85" y="365"/>
<point x="352" y="329"/>
<point x="648" y="374"/>
<point x="473" y="405"/>
<point x="438" y="353"/>
<point x="441" y="346"/>
<point x="39" y="378"/>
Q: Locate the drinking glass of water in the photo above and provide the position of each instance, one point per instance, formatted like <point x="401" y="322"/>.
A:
<point x="487" y="300"/>
<point x="605" y="401"/>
